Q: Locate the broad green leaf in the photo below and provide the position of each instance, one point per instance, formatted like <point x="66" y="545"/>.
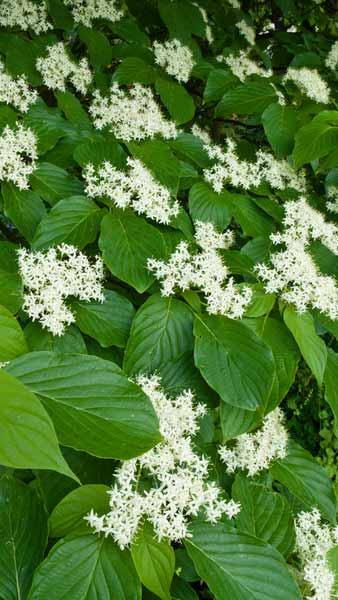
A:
<point x="134" y="70"/>
<point x="181" y="18"/>
<point x="27" y="436"/>
<point x="11" y="286"/>
<point x="314" y="141"/>
<point x="218" y="82"/>
<point x="306" y="480"/>
<point x="234" y="361"/>
<point x="69" y="514"/>
<point x="181" y="590"/>
<point x="48" y="124"/>
<point x="38" y="339"/>
<point x="190" y="147"/>
<point x="60" y="15"/>
<point x="23" y="537"/>
<point x="21" y="55"/>
<point x="53" y="183"/>
<point x="161" y="331"/>
<point x="75" y="220"/>
<point x="280" y="126"/>
<point x="312" y="347"/>
<point x="330" y="382"/>
<point x="8" y="116"/>
<point x="235" y="420"/>
<point x="107" y="322"/>
<point x="126" y="243"/>
<point x="159" y="159"/>
<point x="332" y="559"/>
<point x="261" y="303"/>
<point x="99" y="47"/>
<point x="180" y="374"/>
<point x="93" y="405"/>
<point x="86" y="567"/>
<point x="128" y="29"/>
<point x="73" y="110"/>
<point x="176" y="99"/>
<point x="253" y="221"/>
<point x="264" y="514"/>
<point x="154" y="562"/>
<point x="250" y="97"/>
<point x="24" y="208"/>
<point x="239" y="566"/>
<point x="12" y="340"/>
<point x="98" y="151"/>
<point x="206" y="205"/>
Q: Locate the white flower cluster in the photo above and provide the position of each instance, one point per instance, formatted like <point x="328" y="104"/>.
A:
<point x="136" y="188"/>
<point x="57" y="67"/>
<point x="24" y="14"/>
<point x="202" y="134"/>
<point x="175" y="58"/>
<point x="310" y="83"/>
<point x="132" y="115"/>
<point x="18" y="153"/>
<point x="85" y="11"/>
<point x="332" y="203"/>
<point x="255" y="451"/>
<point x="242" y="66"/>
<point x="15" y="91"/>
<point x="293" y="271"/>
<point x="177" y="475"/>
<point x="313" y="540"/>
<point x="331" y="61"/>
<point x="234" y="3"/>
<point x="204" y="270"/>
<point x="247" y="31"/>
<point x="241" y="173"/>
<point x="52" y="277"/>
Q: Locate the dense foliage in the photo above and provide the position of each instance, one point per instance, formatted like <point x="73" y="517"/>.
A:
<point x="168" y="299"/>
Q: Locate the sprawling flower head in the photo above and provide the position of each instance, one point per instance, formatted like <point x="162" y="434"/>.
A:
<point x="57" y="67"/>
<point x="255" y="451"/>
<point x="132" y="114"/>
<point x="313" y="540"/>
<point x="310" y="83"/>
<point x="202" y="134"/>
<point x="50" y="278"/>
<point x="24" y="14"/>
<point x="85" y="11"/>
<point x="230" y="169"/>
<point x="242" y="66"/>
<point x="293" y="271"/>
<point x="204" y="270"/>
<point x="177" y="476"/>
<point x="175" y="58"/>
<point x="247" y="31"/>
<point x="332" y="58"/>
<point x="18" y="154"/>
<point x="16" y="91"/>
<point x="136" y="188"/>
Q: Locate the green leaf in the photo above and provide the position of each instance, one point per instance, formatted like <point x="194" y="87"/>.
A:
<point x="176" y="99"/>
<point x="60" y="15"/>
<point x="330" y="382"/>
<point x="180" y="373"/>
<point x="126" y="243"/>
<point x="251" y="97"/>
<point x="86" y="567"/>
<point x="48" y="124"/>
<point x="190" y="147"/>
<point x="24" y="208"/>
<point x="27" y="436"/>
<point x="238" y="565"/>
<point x="93" y="405"/>
<point x="253" y="221"/>
<point x="158" y="157"/>
<point x="23" y="537"/>
<point x="181" y="18"/>
<point x="306" y="479"/>
<point x="161" y="331"/>
<point x="234" y="361"/>
<point x="21" y="58"/>
<point x="53" y="183"/>
<point x="69" y="514"/>
<point x="314" y="140"/>
<point x="38" y="339"/>
<point x="332" y="559"/>
<point x="12" y="340"/>
<point x="11" y="286"/>
<point x="208" y="206"/>
<point x="154" y="562"/>
<point x="73" y="110"/>
<point x="108" y="322"/>
<point x="75" y="220"/>
<point x="264" y="514"/>
<point x="235" y="420"/>
<point x="218" y="82"/>
<point x="134" y="70"/>
<point x="100" y="150"/>
<point x="280" y="126"/>
<point x="312" y="347"/>
<point x="99" y="47"/>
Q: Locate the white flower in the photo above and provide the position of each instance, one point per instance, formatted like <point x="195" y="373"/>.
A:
<point x="332" y="203"/>
<point x="247" y="31"/>
<point x="202" y="134"/>
<point x="51" y="277"/>
<point x="241" y="173"/>
<point x="4" y="364"/>
<point x="57" y="67"/>
<point x="313" y="540"/>
<point x="208" y="31"/>
<point x="293" y="271"/>
<point x="242" y="66"/>
<point x="331" y="61"/>
<point x="132" y="115"/>
<point x="255" y="451"/>
<point x="136" y="188"/>
<point x="85" y="11"/>
<point x="24" y="14"/>
<point x="203" y="270"/>
<point x="310" y="83"/>
<point x="178" y="477"/>
<point x="15" y="91"/>
<point x="175" y="58"/>
<point x="234" y="3"/>
<point x="18" y="154"/>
